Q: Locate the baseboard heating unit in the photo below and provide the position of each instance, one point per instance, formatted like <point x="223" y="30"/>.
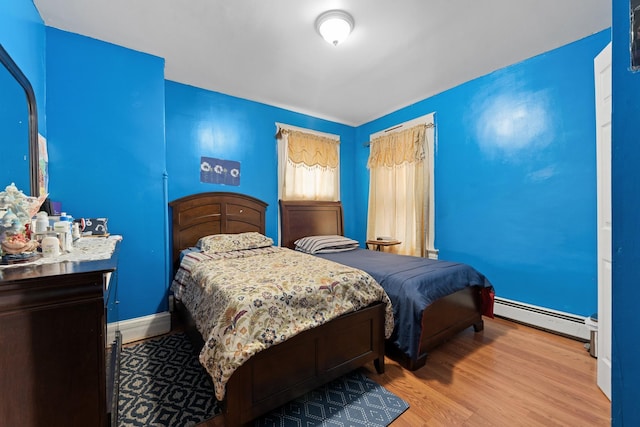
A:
<point x="567" y="324"/>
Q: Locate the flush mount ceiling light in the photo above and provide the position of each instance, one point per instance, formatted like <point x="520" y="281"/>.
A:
<point x="334" y="26"/>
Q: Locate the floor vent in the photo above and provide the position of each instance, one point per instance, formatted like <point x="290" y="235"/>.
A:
<point x="544" y="318"/>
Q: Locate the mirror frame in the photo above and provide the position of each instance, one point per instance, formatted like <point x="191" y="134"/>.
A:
<point x="34" y="160"/>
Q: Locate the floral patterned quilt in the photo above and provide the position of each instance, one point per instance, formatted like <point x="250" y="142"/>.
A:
<point x="246" y="301"/>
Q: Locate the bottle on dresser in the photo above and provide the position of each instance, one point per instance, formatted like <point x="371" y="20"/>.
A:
<point x="50" y="244"/>
<point x="64" y="228"/>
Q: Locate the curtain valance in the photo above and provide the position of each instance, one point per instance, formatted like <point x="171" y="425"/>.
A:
<point x="405" y="146"/>
<point x="312" y="150"/>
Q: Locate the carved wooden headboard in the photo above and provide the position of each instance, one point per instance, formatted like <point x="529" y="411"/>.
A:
<point x="203" y="214"/>
<point x="309" y="218"/>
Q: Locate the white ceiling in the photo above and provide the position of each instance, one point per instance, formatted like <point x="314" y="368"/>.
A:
<point x="400" y="51"/>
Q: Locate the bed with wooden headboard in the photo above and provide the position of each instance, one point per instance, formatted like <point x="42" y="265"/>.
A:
<point x="441" y="319"/>
<point x="298" y="365"/>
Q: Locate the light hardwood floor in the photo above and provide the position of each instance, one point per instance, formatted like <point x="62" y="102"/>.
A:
<point x="507" y="375"/>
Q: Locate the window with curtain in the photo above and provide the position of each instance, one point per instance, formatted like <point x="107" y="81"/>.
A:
<point x="400" y="189"/>
<point x="308" y="165"/>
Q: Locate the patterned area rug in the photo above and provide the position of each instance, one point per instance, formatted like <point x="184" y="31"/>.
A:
<point x="162" y="384"/>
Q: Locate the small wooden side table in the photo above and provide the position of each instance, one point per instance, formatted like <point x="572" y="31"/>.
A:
<point x="379" y="244"/>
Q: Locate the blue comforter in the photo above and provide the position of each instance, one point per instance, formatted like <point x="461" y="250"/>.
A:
<point x="412" y="283"/>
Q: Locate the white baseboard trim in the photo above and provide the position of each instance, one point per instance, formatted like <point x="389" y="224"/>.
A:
<point x="140" y="328"/>
<point x="544" y="318"/>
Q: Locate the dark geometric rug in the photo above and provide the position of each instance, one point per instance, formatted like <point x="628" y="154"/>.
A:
<point x="162" y="384"/>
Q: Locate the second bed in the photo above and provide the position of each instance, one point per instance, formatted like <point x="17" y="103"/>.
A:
<point x="432" y="300"/>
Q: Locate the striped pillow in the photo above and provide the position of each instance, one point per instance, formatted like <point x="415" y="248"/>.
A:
<point x="325" y="244"/>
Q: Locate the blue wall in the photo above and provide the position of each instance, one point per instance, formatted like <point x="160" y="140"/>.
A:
<point x="107" y="154"/>
<point x="515" y="189"/>
<point x="625" y="409"/>
<point x="204" y="123"/>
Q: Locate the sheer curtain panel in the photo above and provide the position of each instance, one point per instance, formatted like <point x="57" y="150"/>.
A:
<point x="397" y="189"/>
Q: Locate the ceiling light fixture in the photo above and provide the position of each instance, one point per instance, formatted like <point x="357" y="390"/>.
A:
<point x="334" y="26"/>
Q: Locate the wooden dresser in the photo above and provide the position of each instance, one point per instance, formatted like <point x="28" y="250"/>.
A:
<point x="53" y="349"/>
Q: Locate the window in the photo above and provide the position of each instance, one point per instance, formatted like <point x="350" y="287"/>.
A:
<point x="401" y="186"/>
<point x="308" y="164"/>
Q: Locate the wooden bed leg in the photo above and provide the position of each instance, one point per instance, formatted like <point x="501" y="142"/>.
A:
<point x="478" y="326"/>
<point x="379" y="364"/>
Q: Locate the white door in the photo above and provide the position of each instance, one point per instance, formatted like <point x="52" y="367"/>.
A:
<point x="602" y="68"/>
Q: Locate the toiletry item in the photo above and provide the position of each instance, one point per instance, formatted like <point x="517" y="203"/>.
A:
<point x="60" y="226"/>
<point x="50" y="245"/>
<point x="63" y="228"/>
<point x="75" y="231"/>
<point x="64" y="217"/>
<point x="42" y="222"/>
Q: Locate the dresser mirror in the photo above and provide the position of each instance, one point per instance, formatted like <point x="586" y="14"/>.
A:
<point x="18" y="128"/>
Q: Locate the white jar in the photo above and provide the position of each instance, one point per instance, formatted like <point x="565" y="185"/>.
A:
<point x="50" y="246"/>
<point x="42" y="222"/>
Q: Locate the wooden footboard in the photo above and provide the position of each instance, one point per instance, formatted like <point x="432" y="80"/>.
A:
<point x="442" y="320"/>
<point x="302" y="363"/>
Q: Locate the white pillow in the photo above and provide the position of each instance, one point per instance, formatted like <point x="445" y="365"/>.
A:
<point x="325" y="244"/>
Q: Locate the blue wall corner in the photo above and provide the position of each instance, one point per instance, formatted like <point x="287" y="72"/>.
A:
<point x="515" y="176"/>
<point x="107" y="155"/>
